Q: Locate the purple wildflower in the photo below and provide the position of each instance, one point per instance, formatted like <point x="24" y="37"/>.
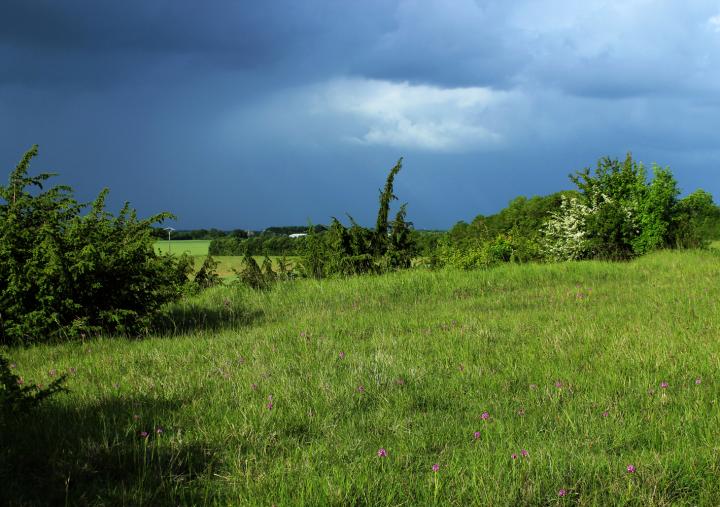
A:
<point x="664" y="385"/>
<point x="341" y="355"/>
<point x="514" y="456"/>
<point x="562" y="492"/>
<point x="485" y="416"/>
<point x="558" y="384"/>
<point x="382" y="452"/>
<point x="605" y="414"/>
<point x="361" y="389"/>
<point x="630" y="469"/>
<point x="269" y="405"/>
<point x="698" y="381"/>
<point x="435" y="467"/>
<point x="143" y="434"/>
<point x="524" y="453"/>
<point x="476" y="435"/>
<point x="159" y="430"/>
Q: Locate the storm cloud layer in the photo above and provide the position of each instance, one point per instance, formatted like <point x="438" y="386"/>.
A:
<point x="236" y="114"/>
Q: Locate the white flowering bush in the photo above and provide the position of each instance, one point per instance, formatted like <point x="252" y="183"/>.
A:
<point x="564" y="236"/>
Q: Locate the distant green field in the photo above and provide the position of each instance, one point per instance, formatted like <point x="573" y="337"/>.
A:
<point x="189" y="246"/>
<point x="198" y="249"/>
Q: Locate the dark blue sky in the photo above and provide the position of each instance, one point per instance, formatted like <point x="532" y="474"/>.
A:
<point x="233" y="114"/>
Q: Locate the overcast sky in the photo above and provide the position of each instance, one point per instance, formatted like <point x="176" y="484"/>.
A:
<point x="241" y="114"/>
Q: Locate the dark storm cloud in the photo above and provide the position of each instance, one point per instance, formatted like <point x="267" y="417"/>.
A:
<point x="248" y="114"/>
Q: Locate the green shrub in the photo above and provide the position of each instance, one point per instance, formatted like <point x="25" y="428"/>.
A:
<point x="619" y="214"/>
<point x="64" y="273"/>
<point x="354" y="250"/>
<point x="207" y="275"/>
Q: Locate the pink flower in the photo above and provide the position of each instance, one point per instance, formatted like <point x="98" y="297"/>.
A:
<point x="253" y="387"/>
<point x="435" y="467"/>
<point x="341" y="355"/>
<point x="514" y="456"/>
<point x="698" y="381"/>
<point x="476" y="435"/>
<point x="562" y="492"/>
<point x="605" y="414"/>
<point x="664" y="385"/>
<point x="269" y="405"/>
<point x="558" y="384"/>
<point x="361" y="389"/>
<point x="382" y="452"/>
<point x="485" y="416"/>
<point x="143" y="434"/>
<point x="524" y="453"/>
<point x="630" y="469"/>
<point x="20" y="381"/>
<point x="159" y="430"/>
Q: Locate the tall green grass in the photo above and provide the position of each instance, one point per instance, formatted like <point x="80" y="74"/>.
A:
<point x="285" y="397"/>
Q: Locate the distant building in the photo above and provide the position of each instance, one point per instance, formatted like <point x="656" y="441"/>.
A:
<point x="298" y="235"/>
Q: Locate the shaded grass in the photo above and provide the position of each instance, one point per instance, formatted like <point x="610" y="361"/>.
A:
<point x="545" y="350"/>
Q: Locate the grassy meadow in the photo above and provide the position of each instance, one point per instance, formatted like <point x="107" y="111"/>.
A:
<point x="585" y="383"/>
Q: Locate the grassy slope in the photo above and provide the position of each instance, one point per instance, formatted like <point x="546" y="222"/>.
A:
<point x="433" y="351"/>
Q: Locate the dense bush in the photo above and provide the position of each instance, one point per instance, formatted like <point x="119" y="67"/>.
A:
<point x="620" y="214"/>
<point x="64" y="273"/>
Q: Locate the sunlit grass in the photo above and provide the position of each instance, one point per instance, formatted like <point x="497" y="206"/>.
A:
<point x="568" y="360"/>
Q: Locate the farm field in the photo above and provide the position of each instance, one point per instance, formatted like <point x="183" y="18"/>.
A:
<point x="585" y="383"/>
<point x="198" y="249"/>
<point x="194" y="247"/>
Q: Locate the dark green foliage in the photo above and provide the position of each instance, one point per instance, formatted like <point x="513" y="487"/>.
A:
<point x="207" y="275"/>
<point x="386" y="195"/>
<point x="253" y="276"/>
<point x="263" y="244"/>
<point x="63" y="274"/>
<point x="696" y="220"/>
<point x="16" y="397"/>
<point x="312" y="264"/>
<point x="354" y="250"/>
